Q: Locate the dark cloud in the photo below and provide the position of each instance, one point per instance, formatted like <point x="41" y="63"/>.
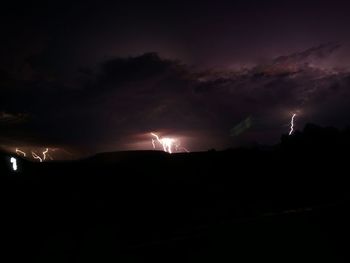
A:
<point x="120" y="70"/>
<point x="315" y="53"/>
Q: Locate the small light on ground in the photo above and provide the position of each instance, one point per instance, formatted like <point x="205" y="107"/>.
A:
<point x="13" y="160"/>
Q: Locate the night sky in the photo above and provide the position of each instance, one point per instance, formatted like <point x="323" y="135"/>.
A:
<point x="92" y="76"/>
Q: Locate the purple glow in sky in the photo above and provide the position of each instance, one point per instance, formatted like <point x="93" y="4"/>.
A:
<point x="93" y="75"/>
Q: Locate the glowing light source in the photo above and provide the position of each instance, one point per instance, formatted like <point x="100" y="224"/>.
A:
<point x="292" y="124"/>
<point x="13" y="160"/>
<point x="42" y="156"/>
<point x="44" y="153"/>
<point x="168" y="144"/>
<point x="35" y="156"/>
<point x="18" y="151"/>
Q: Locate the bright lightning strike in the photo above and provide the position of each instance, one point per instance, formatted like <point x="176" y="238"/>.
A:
<point x="42" y="156"/>
<point x="44" y="153"/>
<point x="18" y="151"/>
<point x="35" y="156"/>
<point x="168" y="144"/>
<point x="292" y="124"/>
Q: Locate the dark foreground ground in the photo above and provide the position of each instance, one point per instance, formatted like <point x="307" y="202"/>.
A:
<point x="287" y="203"/>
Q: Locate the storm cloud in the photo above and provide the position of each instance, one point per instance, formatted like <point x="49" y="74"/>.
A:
<point x="120" y="100"/>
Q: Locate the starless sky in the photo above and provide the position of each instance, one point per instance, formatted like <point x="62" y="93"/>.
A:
<point x="100" y="76"/>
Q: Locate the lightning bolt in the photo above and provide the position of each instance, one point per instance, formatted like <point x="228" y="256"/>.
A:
<point x="292" y="124"/>
<point x="178" y="147"/>
<point x="44" y="153"/>
<point x="155" y="135"/>
<point x="18" y="151"/>
<point x="35" y="156"/>
<point x="184" y="149"/>
<point x="167" y="143"/>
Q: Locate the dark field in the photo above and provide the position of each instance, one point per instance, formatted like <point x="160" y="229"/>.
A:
<point x="287" y="203"/>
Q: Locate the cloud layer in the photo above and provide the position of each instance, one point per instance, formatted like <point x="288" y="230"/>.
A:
<point x="116" y="104"/>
